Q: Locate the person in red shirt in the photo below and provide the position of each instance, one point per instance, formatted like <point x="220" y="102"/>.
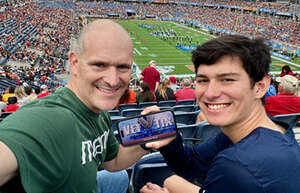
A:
<point x="151" y="76"/>
<point x="286" y="102"/>
<point x="286" y="70"/>
<point x="44" y="92"/>
<point x="186" y="92"/>
<point x="12" y="104"/>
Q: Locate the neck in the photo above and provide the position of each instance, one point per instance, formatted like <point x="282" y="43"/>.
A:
<point x="258" y="118"/>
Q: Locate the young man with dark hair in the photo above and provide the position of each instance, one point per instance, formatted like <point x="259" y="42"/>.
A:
<point x="252" y="154"/>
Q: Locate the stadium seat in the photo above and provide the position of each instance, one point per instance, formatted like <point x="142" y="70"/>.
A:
<point x="165" y="108"/>
<point x="147" y="104"/>
<point x="186" y="102"/>
<point x="185" y="108"/>
<point x="114" y="120"/>
<point x="150" y="168"/>
<point x="205" y="131"/>
<point x="169" y="103"/>
<point x="188" y="133"/>
<point x="4" y="115"/>
<point x="131" y="112"/>
<point x="127" y="106"/>
<point x="113" y="112"/>
<point x="187" y="118"/>
<point x="291" y="119"/>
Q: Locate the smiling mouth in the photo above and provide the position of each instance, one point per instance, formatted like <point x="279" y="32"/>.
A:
<point x="217" y="106"/>
<point x="108" y="90"/>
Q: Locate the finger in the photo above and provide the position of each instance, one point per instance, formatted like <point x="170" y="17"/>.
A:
<point x="153" y="186"/>
<point x="150" y="109"/>
<point x="160" y="143"/>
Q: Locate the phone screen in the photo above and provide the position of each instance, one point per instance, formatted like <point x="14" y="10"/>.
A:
<point x="144" y="128"/>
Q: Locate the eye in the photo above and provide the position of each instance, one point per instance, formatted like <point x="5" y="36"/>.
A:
<point x="200" y="81"/>
<point x="228" y="80"/>
<point x="124" y="68"/>
<point x="99" y="65"/>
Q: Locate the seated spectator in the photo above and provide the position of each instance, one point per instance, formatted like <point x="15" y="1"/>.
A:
<point x="173" y="82"/>
<point x="21" y="96"/>
<point x="10" y="92"/>
<point x="285" y="102"/>
<point x="31" y="95"/>
<point x="286" y="70"/>
<point x="271" y="91"/>
<point x="145" y="95"/>
<point x="37" y="91"/>
<point x="128" y="97"/>
<point x="44" y="91"/>
<point x="164" y="91"/>
<point x="12" y="104"/>
<point x="186" y="92"/>
<point x="2" y="106"/>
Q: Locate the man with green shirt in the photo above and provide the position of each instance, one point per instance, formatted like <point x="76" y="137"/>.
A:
<point x="56" y="143"/>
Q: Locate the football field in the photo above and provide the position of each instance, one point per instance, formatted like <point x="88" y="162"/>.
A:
<point x="170" y="44"/>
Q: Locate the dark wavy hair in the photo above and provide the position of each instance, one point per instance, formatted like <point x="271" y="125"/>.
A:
<point x="254" y="54"/>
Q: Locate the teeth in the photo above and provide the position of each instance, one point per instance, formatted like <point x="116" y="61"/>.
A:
<point x="217" y="106"/>
<point x="107" y="90"/>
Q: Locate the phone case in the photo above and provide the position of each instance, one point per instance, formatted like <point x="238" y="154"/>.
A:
<point x="145" y="128"/>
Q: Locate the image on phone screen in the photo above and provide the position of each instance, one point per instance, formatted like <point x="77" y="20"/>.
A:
<point x="146" y="128"/>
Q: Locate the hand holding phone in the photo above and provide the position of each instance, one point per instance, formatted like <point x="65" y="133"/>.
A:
<point x="145" y="128"/>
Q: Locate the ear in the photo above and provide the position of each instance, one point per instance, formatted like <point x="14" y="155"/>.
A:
<point x="261" y="87"/>
<point x="73" y="59"/>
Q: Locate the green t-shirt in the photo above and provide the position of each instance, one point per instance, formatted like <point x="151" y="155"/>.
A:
<point x="59" y="143"/>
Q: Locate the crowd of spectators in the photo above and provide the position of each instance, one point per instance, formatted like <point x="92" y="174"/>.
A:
<point x="46" y="29"/>
<point x="273" y="27"/>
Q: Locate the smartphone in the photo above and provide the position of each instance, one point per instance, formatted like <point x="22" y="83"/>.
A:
<point x="144" y="128"/>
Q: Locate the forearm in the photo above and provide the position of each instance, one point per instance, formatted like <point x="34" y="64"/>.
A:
<point x="126" y="157"/>
<point x="176" y="184"/>
<point x="9" y="166"/>
<point x="183" y="160"/>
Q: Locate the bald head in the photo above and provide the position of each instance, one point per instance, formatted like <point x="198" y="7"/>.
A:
<point x="105" y="30"/>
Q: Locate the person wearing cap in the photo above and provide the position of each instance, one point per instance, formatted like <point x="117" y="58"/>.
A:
<point x="151" y="76"/>
<point x="44" y="91"/>
<point x="186" y="93"/>
<point x="173" y="83"/>
<point x="286" y="102"/>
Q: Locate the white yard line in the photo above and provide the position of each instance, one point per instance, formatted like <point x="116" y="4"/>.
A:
<point x="139" y="53"/>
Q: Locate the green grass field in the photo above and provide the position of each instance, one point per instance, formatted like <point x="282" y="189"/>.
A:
<point x="171" y="60"/>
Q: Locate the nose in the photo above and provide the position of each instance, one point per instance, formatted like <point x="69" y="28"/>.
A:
<point x="112" y="76"/>
<point x="213" y="90"/>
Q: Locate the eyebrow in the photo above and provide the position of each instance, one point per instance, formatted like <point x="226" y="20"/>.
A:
<point x="220" y="75"/>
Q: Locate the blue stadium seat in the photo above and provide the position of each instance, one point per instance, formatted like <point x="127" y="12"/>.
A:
<point x="114" y="120"/>
<point x="291" y="119"/>
<point x="147" y="104"/>
<point x="205" y="131"/>
<point x="169" y="103"/>
<point x="187" y="118"/>
<point x="127" y="106"/>
<point x="113" y="112"/>
<point x="186" y="102"/>
<point x="131" y="112"/>
<point x="150" y="168"/>
<point x="4" y="115"/>
<point x="185" y="108"/>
